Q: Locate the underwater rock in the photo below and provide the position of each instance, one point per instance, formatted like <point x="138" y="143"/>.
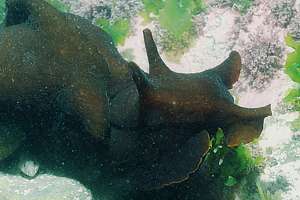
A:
<point x="263" y="61"/>
<point x="294" y="27"/>
<point x="42" y="187"/>
<point x="29" y="167"/>
<point x="283" y="12"/>
<point x="113" y="10"/>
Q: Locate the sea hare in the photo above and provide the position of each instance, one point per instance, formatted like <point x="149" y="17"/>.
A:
<point x="201" y="99"/>
<point x="49" y="58"/>
<point x="198" y="101"/>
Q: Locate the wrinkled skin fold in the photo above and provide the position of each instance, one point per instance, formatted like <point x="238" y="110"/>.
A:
<point x="157" y="126"/>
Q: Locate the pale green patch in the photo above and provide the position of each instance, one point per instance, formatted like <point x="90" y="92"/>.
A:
<point x="118" y="30"/>
<point x="176" y="17"/>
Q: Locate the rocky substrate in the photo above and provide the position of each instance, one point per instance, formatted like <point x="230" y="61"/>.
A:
<point x="43" y="187"/>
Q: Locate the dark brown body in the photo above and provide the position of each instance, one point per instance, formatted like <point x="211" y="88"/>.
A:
<point x="50" y="52"/>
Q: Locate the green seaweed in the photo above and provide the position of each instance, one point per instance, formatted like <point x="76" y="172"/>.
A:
<point x="197" y="7"/>
<point x="293" y="98"/>
<point x="175" y="17"/>
<point x="294" y="57"/>
<point x="118" y="29"/>
<point x="231" y="181"/>
<point x="294" y="72"/>
<point x="151" y="8"/>
<point x="292" y="69"/>
<point x="230" y="165"/>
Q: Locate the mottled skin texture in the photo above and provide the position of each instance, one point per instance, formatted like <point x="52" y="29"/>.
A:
<point x="158" y="123"/>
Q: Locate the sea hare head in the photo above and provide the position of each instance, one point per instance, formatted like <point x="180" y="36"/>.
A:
<point x="201" y="99"/>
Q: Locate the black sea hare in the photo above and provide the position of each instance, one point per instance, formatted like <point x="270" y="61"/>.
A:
<point x="163" y="118"/>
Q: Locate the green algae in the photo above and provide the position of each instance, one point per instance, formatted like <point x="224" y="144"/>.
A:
<point x="151" y="9"/>
<point x="230" y="165"/>
<point x="293" y="57"/>
<point x="176" y="19"/>
<point x="292" y="69"/>
<point x="118" y="30"/>
<point x="231" y="181"/>
<point x="293" y="98"/>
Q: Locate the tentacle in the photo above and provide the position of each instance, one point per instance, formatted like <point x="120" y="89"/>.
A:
<point x="248" y="113"/>
<point x="156" y="64"/>
<point x="243" y="132"/>
<point x="247" y="124"/>
<point x="229" y="70"/>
